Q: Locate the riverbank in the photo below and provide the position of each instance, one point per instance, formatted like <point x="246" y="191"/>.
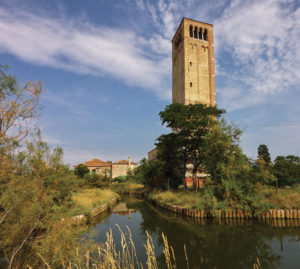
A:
<point x="127" y="187"/>
<point x="278" y="204"/>
<point x="90" y="202"/>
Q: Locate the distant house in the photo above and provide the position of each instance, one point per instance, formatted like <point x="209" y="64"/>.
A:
<point x="119" y="168"/>
<point x="99" y="166"/>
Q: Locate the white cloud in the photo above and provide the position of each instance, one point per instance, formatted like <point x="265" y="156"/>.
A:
<point x="262" y="40"/>
<point x="83" y="48"/>
<point x="259" y="37"/>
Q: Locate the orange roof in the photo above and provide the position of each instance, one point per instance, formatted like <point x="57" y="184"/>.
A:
<point x="124" y="162"/>
<point x="97" y="162"/>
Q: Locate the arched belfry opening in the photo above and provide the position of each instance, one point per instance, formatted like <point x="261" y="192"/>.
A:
<point x="200" y="33"/>
<point x="196" y="32"/>
<point x="191" y="31"/>
<point x="205" y="34"/>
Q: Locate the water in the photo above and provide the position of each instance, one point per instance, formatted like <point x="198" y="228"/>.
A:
<point x="208" y="244"/>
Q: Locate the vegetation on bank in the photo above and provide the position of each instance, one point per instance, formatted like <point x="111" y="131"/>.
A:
<point x="231" y="179"/>
<point x="285" y="198"/>
<point x="126" y="187"/>
<point x="91" y="198"/>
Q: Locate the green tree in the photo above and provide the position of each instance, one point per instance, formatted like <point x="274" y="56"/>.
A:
<point x="36" y="196"/>
<point x="18" y="106"/>
<point x="35" y="185"/>
<point x="190" y="123"/>
<point x="287" y="170"/>
<point x="150" y="173"/>
<point x="263" y="153"/>
<point x="81" y="170"/>
<point x="171" y="157"/>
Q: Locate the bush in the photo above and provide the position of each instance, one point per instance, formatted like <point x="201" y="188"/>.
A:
<point x="119" y="179"/>
<point x="81" y="170"/>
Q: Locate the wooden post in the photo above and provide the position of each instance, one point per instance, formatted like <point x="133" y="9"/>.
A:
<point x="278" y="214"/>
<point x="234" y="213"/>
<point x="287" y="214"/>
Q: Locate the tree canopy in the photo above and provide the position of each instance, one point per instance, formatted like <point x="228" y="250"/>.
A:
<point x="186" y="144"/>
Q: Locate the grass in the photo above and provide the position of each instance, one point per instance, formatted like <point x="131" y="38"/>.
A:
<point x="283" y="198"/>
<point x="184" y="199"/>
<point x="91" y="198"/>
<point x="107" y="256"/>
<point x="125" y="186"/>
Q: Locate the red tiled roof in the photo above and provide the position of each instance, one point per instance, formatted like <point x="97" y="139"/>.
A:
<point x="96" y="162"/>
<point x="124" y="162"/>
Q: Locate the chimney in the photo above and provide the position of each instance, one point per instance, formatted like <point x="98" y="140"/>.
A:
<point x="129" y="161"/>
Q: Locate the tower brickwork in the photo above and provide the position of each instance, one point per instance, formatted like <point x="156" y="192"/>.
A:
<point x="193" y="68"/>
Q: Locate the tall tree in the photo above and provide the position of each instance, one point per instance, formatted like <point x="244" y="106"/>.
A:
<point x="287" y="170"/>
<point x="263" y="153"/>
<point x="170" y="154"/>
<point x="190" y="123"/>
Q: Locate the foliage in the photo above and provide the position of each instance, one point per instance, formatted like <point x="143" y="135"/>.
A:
<point x="18" y="107"/>
<point x="223" y="157"/>
<point x="35" y="186"/>
<point x="149" y="173"/>
<point x="287" y="170"/>
<point x="91" y="198"/>
<point x="190" y="124"/>
<point x="263" y="153"/>
<point x="94" y="179"/>
<point x="81" y="170"/>
<point x="170" y="154"/>
<point x="36" y="192"/>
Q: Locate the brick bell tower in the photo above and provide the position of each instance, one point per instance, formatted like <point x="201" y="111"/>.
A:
<point x="193" y="68"/>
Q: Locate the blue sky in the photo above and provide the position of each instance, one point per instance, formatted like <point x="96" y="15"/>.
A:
<point x="106" y="69"/>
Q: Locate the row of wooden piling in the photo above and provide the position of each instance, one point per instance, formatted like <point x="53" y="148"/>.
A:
<point x="241" y="222"/>
<point x="231" y="213"/>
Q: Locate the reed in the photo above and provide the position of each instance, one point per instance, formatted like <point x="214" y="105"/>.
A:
<point x="107" y="256"/>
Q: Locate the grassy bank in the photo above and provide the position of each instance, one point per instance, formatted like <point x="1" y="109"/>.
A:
<point x="125" y="187"/>
<point x="283" y="198"/>
<point x="87" y="199"/>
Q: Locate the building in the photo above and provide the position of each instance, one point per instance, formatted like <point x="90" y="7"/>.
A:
<point x="193" y="71"/>
<point x="152" y="154"/>
<point x="99" y="166"/>
<point x="121" y="168"/>
<point x="193" y="67"/>
<point x="110" y="169"/>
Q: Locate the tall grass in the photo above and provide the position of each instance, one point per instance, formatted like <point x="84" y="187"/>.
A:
<point x="90" y="198"/>
<point x="107" y="256"/>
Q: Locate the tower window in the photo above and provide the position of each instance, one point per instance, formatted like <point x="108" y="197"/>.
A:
<point x="191" y="31"/>
<point x="205" y="34"/>
<point x="191" y="84"/>
<point x="200" y="33"/>
<point x="196" y="32"/>
<point x="191" y="63"/>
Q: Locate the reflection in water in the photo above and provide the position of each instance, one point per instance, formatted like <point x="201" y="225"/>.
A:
<point x="225" y="244"/>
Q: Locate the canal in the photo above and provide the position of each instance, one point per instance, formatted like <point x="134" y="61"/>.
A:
<point x="231" y="244"/>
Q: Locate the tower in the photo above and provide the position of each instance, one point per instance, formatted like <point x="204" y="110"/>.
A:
<point x="193" y="68"/>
